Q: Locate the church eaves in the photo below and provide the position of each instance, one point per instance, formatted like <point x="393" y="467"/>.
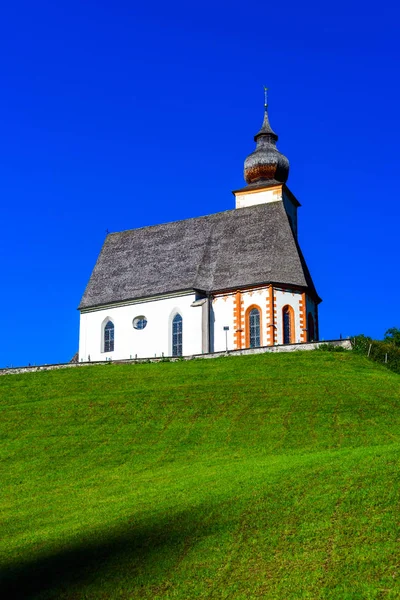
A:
<point x="223" y="251"/>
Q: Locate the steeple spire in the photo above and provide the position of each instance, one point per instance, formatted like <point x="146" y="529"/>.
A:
<point x="266" y="128"/>
<point x="266" y="163"/>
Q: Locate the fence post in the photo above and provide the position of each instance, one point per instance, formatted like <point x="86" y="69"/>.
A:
<point x="369" y="349"/>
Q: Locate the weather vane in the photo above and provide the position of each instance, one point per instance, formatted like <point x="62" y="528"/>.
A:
<point x="265" y="97"/>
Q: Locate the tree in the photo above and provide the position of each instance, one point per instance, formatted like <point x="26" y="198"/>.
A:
<point x="392" y="336"/>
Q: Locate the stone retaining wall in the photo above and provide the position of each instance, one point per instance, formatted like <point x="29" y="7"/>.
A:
<point x="285" y="348"/>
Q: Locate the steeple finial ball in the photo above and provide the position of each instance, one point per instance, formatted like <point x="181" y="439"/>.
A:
<point x="266" y="163"/>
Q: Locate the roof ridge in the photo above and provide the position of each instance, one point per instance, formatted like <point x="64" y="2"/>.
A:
<point x="222" y="212"/>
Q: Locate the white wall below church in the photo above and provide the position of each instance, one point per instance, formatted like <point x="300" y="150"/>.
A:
<point x="154" y="339"/>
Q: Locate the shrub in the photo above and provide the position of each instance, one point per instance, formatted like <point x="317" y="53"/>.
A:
<point x="392" y="336"/>
<point x="380" y="351"/>
<point x="361" y="343"/>
<point x="331" y="348"/>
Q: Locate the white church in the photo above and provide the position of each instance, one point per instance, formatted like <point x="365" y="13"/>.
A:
<point x="231" y="280"/>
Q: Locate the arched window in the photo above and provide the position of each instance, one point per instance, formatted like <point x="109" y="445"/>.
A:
<point x="109" y="337"/>
<point x="288" y="325"/>
<point x="311" y="328"/>
<point x="177" y="335"/>
<point x="254" y="328"/>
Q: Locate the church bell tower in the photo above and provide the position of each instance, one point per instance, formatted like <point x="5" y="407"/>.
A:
<point x="266" y="171"/>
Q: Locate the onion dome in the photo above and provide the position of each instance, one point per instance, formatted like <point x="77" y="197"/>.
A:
<point x="266" y="163"/>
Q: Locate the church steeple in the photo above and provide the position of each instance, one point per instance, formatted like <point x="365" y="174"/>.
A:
<point x="266" y="163"/>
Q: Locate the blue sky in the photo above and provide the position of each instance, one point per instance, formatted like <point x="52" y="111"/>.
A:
<point x="125" y="114"/>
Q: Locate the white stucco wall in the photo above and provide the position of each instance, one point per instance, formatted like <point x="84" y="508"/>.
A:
<point x="257" y="298"/>
<point x="262" y="196"/>
<point x="154" y="339"/>
<point x="222" y="311"/>
<point x="283" y="298"/>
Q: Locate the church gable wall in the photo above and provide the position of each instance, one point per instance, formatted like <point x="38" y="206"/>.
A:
<point x="154" y="339"/>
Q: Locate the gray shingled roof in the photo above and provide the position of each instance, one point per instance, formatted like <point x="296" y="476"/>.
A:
<point x="226" y="250"/>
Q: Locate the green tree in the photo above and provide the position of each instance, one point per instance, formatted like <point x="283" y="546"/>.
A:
<point x="392" y="336"/>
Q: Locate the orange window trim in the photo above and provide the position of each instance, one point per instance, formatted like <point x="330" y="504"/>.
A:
<point x="292" y="324"/>
<point x="237" y="319"/>
<point x="247" y="324"/>
<point x="271" y="316"/>
<point x="303" y="317"/>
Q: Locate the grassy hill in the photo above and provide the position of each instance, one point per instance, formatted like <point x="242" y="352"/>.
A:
<point x="268" y="476"/>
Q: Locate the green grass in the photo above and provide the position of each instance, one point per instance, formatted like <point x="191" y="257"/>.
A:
<point x="268" y="476"/>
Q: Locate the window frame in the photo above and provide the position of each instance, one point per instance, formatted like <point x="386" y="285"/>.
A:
<point x="248" y="326"/>
<point x="292" y="330"/>
<point x="140" y="319"/>
<point x="111" y="336"/>
<point x="177" y="346"/>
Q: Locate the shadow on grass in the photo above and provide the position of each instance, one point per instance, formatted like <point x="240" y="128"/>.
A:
<point x="126" y="560"/>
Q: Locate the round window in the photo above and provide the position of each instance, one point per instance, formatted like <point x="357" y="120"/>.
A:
<point x="140" y="322"/>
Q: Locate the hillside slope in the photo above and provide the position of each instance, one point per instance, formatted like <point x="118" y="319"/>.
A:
<point x="267" y="476"/>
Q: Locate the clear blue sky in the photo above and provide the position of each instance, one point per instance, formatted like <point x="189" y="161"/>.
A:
<point x="116" y="115"/>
